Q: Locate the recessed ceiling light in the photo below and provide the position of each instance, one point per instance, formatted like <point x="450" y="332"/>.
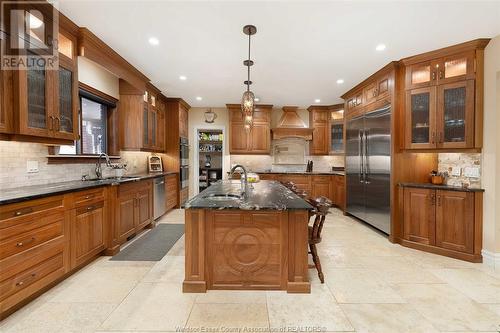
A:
<point x="380" y="47"/>
<point x="317" y="100"/>
<point x="183" y="78"/>
<point x="199" y="98"/>
<point x="340" y="81"/>
<point x="257" y="99"/>
<point x="153" y="41"/>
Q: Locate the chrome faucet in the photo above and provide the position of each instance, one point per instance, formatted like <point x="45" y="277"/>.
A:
<point x="244" y="183"/>
<point x="98" y="168"/>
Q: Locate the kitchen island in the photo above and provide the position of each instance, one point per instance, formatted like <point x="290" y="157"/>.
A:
<point x="252" y="242"/>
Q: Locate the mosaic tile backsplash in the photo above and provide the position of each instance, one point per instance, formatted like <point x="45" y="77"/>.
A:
<point x="15" y="155"/>
<point x="448" y="161"/>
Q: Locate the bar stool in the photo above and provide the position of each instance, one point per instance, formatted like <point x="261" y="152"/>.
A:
<point x="321" y="209"/>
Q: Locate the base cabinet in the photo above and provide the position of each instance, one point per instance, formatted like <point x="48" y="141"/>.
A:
<point x="88" y="225"/>
<point x="171" y="192"/>
<point x="444" y="222"/>
<point x="134" y="208"/>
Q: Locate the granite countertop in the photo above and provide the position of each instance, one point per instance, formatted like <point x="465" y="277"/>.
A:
<point x="441" y="187"/>
<point x="25" y="193"/>
<point x="337" y="173"/>
<point x="266" y="194"/>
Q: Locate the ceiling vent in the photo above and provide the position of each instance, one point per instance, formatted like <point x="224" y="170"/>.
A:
<point x="291" y="125"/>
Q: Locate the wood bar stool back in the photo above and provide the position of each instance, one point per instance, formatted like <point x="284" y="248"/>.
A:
<point x="321" y="209"/>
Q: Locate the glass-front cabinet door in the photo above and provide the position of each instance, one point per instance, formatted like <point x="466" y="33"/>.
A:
<point x="421" y="75"/>
<point x="456" y="68"/>
<point x="455" y="115"/>
<point x="420" y="118"/>
<point x="35" y="100"/>
<point x="337" y="132"/>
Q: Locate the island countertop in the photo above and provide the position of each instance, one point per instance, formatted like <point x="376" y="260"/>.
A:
<point x="265" y="194"/>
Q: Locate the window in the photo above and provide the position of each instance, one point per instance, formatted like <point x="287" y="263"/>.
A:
<point x="92" y="121"/>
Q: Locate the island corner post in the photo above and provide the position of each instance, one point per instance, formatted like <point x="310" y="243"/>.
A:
<point x="232" y="249"/>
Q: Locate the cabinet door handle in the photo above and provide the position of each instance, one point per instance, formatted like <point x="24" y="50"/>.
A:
<point x="51" y="123"/>
<point x="441" y="137"/>
<point x="441" y="74"/>
<point x="433" y="199"/>
<point x="23" y="243"/>
<point x="89" y="208"/>
<point x="375" y="92"/>
<point x="439" y="200"/>
<point x="87" y="197"/>
<point x="433" y="139"/>
<point x="58" y="124"/>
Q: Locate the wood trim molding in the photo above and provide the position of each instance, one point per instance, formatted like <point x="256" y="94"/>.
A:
<point x="178" y="100"/>
<point x="98" y="93"/>
<point x="93" y="48"/>
<point x="386" y="69"/>
<point x="442" y="52"/>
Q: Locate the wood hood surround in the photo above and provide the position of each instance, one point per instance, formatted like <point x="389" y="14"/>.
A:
<point x="291" y="125"/>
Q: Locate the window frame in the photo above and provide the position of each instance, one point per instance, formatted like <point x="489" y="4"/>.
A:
<point x="78" y="143"/>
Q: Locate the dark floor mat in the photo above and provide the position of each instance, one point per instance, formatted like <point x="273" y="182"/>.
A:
<point x="152" y="246"/>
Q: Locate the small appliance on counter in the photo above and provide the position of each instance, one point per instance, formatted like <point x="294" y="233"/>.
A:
<point x="154" y="164"/>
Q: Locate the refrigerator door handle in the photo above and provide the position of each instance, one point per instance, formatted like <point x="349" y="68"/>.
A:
<point x="366" y="163"/>
<point x="360" y="149"/>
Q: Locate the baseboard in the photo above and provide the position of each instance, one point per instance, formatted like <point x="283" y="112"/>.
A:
<point x="491" y="259"/>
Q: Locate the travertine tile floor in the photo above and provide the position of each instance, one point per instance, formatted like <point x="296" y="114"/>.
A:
<point x="371" y="286"/>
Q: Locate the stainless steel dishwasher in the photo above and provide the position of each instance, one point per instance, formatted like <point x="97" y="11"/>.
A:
<point x="159" y="197"/>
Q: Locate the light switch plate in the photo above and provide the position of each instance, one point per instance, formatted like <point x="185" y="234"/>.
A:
<point x="456" y="171"/>
<point x="31" y="166"/>
<point x="472" y="172"/>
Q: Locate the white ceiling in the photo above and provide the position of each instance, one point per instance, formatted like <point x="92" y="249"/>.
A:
<point x="300" y="50"/>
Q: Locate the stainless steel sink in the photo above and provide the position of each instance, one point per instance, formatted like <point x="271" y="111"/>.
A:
<point x="222" y="197"/>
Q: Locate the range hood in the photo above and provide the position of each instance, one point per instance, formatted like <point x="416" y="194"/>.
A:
<point x="291" y="125"/>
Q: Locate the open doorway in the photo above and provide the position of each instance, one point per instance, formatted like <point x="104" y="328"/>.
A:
<point x="209" y="157"/>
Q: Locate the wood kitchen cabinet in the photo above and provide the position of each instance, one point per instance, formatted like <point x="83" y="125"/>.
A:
<point x="34" y="249"/>
<point x="446" y="222"/>
<point x="88" y="225"/>
<point x="171" y="191"/>
<point x="258" y="140"/>
<point x="133" y="208"/>
<point x="321" y="186"/>
<point x="338" y="191"/>
<point x="443" y="107"/>
<point x="142" y="120"/>
<point x="319" y="122"/>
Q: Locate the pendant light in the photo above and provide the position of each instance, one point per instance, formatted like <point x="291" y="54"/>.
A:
<point x="248" y="99"/>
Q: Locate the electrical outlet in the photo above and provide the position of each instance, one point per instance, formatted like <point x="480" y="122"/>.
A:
<point x="456" y="171"/>
<point x="31" y="166"/>
<point x="472" y="172"/>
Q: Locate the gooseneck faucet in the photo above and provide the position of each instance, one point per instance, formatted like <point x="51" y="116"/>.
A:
<point x="98" y="168"/>
<point x="244" y="183"/>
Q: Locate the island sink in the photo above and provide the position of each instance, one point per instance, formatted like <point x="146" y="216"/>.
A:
<point x="256" y="243"/>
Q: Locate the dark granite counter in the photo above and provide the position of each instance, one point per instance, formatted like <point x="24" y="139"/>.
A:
<point x="336" y="173"/>
<point x="441" y="187"/>
<point x="266" y="194"/>
<point x="18" y="194"/>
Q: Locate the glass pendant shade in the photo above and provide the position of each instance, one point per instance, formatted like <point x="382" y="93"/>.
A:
<point x="247" y="103"/>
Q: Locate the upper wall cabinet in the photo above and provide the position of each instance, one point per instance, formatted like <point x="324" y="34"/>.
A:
<point x="443" y="103"/>
<point x="258" y="140"/>
<point x="142" y="120"/>
<point x="40" y="102"/>
<point x="327" y="123"/>
<point x="177" y="122"/>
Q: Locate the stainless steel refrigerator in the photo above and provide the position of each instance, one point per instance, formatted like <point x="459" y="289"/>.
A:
<point x="368" y="168"/>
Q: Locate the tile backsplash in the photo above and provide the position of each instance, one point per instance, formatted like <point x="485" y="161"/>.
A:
<point x="15" y="155"/>
<point x="461" y="162"/>
<point x="265" y="162"/>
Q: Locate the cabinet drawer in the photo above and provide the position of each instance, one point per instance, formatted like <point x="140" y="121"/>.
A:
<point x="22" y="242"/>
<point x="134" y="186"/>
<point x="297" y="179"/>
<point x="18" y="212"/>
<point x="31" y="275"/>
<point x="321" y="179"/>
<point x="85" y="197"/>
